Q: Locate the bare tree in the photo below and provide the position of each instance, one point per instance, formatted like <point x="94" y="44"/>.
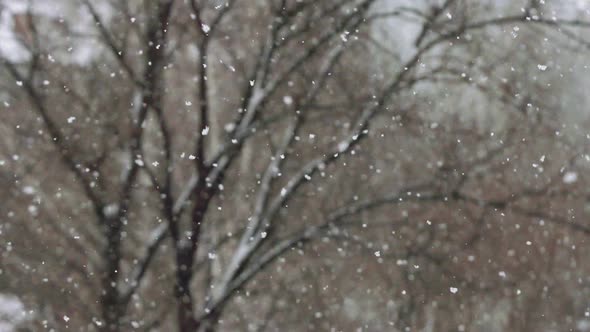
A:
<point x="193" y="148"/>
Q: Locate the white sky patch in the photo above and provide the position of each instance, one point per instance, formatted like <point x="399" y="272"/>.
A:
<point x="75" y="16"/>
<point x="12" y="312"/>
<point x="570" y="177"/>
<point x="10" y="47"/>
<point x="29" y="190"/>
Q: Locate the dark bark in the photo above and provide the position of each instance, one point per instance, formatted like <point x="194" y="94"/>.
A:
<point x="110" y="299"/>
<point x="210" y="322"/>
<point x="185" y="315"/>
<point x="186" y="251"/>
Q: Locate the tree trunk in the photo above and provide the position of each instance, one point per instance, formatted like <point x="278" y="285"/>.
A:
<point x="210" y="322"/>
<point x="186" y="316"/>
<point x="110" y="299"/>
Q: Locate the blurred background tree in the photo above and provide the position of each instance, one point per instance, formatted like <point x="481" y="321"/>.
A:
<point x="294" y="165"/>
